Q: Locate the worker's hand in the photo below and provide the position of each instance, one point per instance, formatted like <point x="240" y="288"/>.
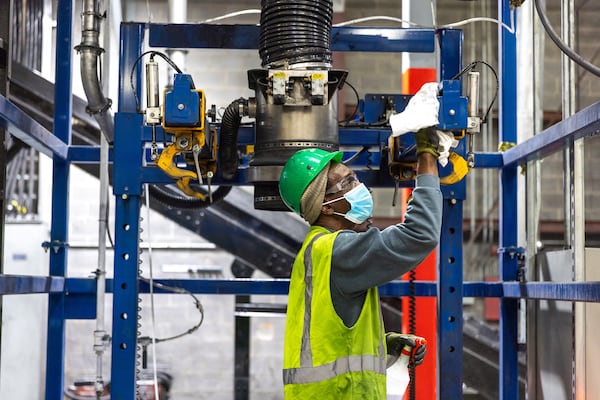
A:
<point x="427" y="141"/>
<point x="396" y="342"/>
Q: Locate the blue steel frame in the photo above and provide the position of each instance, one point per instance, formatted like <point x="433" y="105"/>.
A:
<point x="507" y="126"/>
<point x="71" y="298"/>
<point x="60" y="201"/>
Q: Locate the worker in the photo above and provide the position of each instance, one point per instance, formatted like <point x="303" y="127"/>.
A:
<point x="335" y="346"/>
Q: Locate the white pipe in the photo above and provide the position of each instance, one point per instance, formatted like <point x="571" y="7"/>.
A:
<point x="177" y="15"/>
<point x="111" y="36"/>
<point x="178" y="11"/>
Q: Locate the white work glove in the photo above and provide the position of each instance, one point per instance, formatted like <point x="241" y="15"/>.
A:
<point x="420" y="112"/>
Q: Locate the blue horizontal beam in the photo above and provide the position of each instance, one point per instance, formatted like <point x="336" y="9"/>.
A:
<point x="383" y="39"/>
<point x="21" y="125"/>
<point x="366" y="39"/>
<point x="488" y="160"/>
<point x="565" y="291"/>
<point x="87" y="154"/>
<point x="568" y="291"/>
<point x="24" y="284"/>
<point x="581" y="124"/>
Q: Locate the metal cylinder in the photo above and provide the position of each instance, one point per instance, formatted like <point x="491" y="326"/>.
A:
<point x="152" y="90"/>
<point x="473" y="93"/>
<point x="282" y="129"/>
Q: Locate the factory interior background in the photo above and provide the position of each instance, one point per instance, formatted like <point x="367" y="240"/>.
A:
<point x="205" y="332"/>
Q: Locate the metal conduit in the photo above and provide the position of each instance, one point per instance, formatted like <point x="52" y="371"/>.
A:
<point x="90" y="50"/>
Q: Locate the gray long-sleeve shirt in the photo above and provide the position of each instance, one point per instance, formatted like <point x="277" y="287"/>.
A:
<point x="368" y="259"/>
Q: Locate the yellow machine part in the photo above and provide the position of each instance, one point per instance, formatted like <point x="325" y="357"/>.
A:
<point x="407" y="171"/>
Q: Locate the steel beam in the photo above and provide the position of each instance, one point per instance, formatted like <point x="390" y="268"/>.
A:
<point x="22" y="126"/>
<point x="563" y="291"/>
<point x="24" y="284"/>
<point x="59" y="231"/>
<point x="581" y="124"/>
<point x="242" y="37"/>
<point x="508" y="349"/>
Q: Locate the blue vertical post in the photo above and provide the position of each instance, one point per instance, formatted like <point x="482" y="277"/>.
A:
<point x="450" y="271"/>
<point x="127" y="190"/>
<point x="507" y="56"/>
<point x="55" y="345"/>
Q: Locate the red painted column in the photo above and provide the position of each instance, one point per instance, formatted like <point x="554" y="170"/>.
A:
<point x="420" y="313"/>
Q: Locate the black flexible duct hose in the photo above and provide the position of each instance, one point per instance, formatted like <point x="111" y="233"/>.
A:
<point x="169" y="198"/>
<point x="228" y="156"/>
<point x="295" y="31"/>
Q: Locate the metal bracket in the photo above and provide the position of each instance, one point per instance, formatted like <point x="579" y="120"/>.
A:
<point x="55" y="245"/>
<point x="512" y="251"/>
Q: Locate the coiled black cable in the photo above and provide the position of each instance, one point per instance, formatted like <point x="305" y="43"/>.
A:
<point x="412" y="328"/>
<point x="294" y="32"/>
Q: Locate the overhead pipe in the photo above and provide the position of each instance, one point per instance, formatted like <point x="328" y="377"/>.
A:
<point x="177" y="15"/>
<point x="90" y="51"/>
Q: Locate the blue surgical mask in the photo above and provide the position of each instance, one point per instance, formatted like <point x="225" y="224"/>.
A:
<point x="361" y="204"/>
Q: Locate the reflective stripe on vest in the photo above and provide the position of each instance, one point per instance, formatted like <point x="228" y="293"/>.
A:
<point x="305" y="351"/>
<point x="338" y="367"/>
<point x="307" y="373"/>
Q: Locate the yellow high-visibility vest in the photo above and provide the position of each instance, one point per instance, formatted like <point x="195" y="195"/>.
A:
<point x="324" y="359"/>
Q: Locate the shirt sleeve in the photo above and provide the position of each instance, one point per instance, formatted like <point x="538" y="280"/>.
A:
<point x="367" y="259"/>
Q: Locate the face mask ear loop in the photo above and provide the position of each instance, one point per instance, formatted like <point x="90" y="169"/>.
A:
<point x="332" y="201"/>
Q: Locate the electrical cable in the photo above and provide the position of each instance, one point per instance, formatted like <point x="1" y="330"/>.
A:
<point x="356" y="155"/>
<point x="412" y="328"/>
<point x="152" y="284"/>
<point x="582" y="62"/>
<point x="357" y="103"/>
<point x="152" y="309"/>
<point x="378" y="17"/>
<point x="230" y="15"/>
<point x="162" y="286"/>
<point x="178" y="290"/>
<point x="133" y="67"/>
<point x="479" y="19"/>
<point x="469" y="68"/>
<point x="168" y="288"/>
<point x="435" y="25"/>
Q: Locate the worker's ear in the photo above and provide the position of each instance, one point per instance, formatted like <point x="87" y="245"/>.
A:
<point x="327" y="210"/>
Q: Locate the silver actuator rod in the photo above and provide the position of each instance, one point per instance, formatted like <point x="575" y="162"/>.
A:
<point x="152" y="83"/>
<point x="474" y="119"/>
<point x="152" y="93"/>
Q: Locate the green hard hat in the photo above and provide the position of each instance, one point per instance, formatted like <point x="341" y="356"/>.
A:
<point x="300" y="170"/>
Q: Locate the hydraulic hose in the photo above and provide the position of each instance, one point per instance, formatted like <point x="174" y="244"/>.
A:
<point x="540" y="6"/>
<point x="230" y="124"/>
